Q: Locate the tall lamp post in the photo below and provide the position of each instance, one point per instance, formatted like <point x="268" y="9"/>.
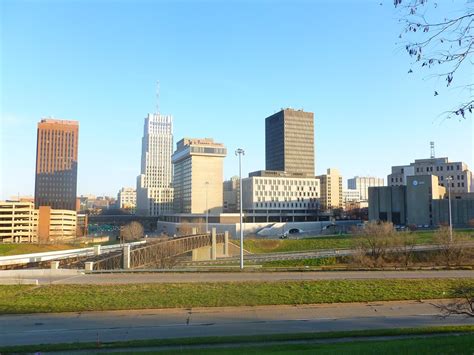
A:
<point x="449" y="179"/>
<point x="207" y="208"/>
<point x="241" y="152"/>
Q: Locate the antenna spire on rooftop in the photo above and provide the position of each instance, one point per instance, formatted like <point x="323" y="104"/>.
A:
<point x="432" y="147"/>
<point x="157" y="97"/>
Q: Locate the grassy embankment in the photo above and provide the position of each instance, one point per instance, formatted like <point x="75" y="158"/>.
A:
<point x="458" y="345"/>
<point x="14" y="249"/>
<point x="448" y="339"/>
<point x="76" y="298"/>
<point x="25" y="248"/>
<point x="259" y="246"/>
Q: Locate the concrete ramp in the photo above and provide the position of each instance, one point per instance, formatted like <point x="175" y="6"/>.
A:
<point x="272" y="230"/>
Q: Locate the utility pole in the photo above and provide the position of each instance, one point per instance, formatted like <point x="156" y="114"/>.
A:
<point x="157" y="97"/>
<point x="449" y="179"/>
<point x="207" y="209"/>
<point x="241" y="152"/>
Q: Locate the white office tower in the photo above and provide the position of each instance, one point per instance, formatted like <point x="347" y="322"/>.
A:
<point x="154" y="184"/>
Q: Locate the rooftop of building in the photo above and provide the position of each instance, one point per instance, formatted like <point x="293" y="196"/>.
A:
<point x="16" y="202"/>
<point x="56" y="121"/>
<point x="283" y="174"/>
<point x="198" y="141"/>
<point x="366" y="177"/>
<point x="293" y="112"/>
<point x="432" y="161"/>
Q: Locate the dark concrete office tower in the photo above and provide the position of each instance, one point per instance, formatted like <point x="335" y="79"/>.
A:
<point x="56" y="164"/>
<point x="289" y="142"/>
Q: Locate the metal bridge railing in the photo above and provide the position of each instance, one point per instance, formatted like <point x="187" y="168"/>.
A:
<point x="156" y="253"/>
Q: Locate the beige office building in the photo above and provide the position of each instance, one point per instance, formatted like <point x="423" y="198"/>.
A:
<point x="18" y="222"/>
<point x="232" y="195"/>
<point x="198" y="176"/>
<point x="362" y="184"/>
<point x="277" y="196"/>
<point x="441" y="167"/>
<point x="127" y="198"/>
<point x="56" y="225"/>
<point x="331" y="190"/>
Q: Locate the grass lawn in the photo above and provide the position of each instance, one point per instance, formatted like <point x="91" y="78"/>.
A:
<point x="75" y="298"/>
<point x="285" y="245"/>
<point x="24" y="248"/>
<point x="456" y="345"/>
<point x="249" y="342"/>
<point x="301" y="262"/>
<point x="320" y="243"/>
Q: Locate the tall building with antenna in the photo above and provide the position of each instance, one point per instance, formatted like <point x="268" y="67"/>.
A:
<point x="154" y="184"/>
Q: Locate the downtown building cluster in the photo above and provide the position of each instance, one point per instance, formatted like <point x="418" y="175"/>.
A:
<point x="51" y="216"/>
<point x="185" y="185"/>
<point x="422" y="194"/>
<point x="193" y="190"/>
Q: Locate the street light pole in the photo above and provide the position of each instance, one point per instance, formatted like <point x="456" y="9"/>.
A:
<point x="207" y="209"/>
<point x="241" y="152"/>
<point x="449" y="179"/>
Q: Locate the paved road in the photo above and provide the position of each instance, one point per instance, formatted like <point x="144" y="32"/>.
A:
<point x="168" y="323"/>
<point x="184" y="277"/>
<point x="308" y="254"/>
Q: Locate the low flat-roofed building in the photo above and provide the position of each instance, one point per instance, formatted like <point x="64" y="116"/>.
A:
<point x="388" y="204"/>
<point x="18" y="222"/>
<point x="362" y="184"/>
<point x="276" y="196"/>
<point x="127" y="198"/>
<point x="56" y="225"/>
<point x="423" y="202"/>
<point x="350" y="195"/>
<point x="231" y="198"/>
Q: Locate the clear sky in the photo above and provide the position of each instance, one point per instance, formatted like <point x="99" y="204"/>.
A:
<point x="223" y="67"/>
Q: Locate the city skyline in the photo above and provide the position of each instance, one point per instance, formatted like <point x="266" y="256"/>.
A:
<point x="360" y="129"/>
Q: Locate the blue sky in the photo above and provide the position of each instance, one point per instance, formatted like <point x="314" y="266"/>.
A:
<point x="223" y="67"/>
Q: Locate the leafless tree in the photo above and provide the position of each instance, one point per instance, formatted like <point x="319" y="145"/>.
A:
<point x="166" y="256"/>
<point x="186" y="228"/>
<point x="471" y="223"/>
<point x="434" y="40"/>
<point x="462" y="305"/>
<point x="404" y="247"/>
<point x="451" y="251"/>
<point x="131" y="231"/>
<point x="374" y="241"/>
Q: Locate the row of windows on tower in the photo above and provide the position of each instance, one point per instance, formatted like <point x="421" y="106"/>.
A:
<point x="438" y="168"/>
<point x="285" y="182"/>
<point x="285" y="205"/>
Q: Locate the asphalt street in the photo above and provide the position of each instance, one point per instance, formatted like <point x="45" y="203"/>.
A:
<point x="57" y="277"/>
<point x="199" y="322"/>
<point x="309" y="254"/>
<point x="184" y="277"/>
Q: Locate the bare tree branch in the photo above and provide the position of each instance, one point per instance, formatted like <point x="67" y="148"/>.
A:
<point x="463" y="305"/>
<point x="446" y="43"/>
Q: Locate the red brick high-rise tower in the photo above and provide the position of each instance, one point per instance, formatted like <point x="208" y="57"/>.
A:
<point x="56" y="164"/>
